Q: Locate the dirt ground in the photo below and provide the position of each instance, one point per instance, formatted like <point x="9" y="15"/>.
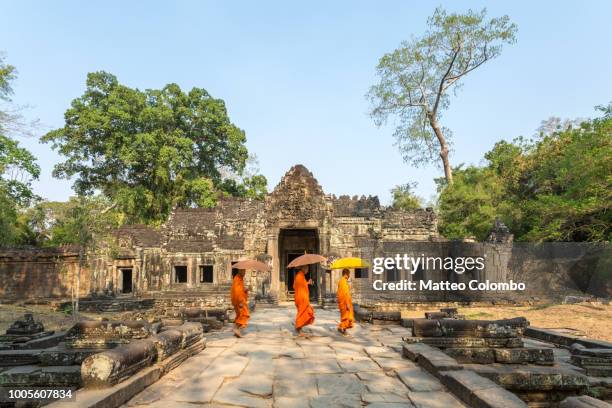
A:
<point x="592" y="320"/>
<point x="52" y="320"/>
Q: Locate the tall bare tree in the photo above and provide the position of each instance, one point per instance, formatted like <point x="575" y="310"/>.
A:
<point x="416" y="78"/>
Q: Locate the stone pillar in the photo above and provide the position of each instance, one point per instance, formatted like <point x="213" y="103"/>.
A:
<point x="273" y="253"/>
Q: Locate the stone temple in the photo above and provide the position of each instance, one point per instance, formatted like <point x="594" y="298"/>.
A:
<point x="191" y="255"/>
<point x="197" y="246"/>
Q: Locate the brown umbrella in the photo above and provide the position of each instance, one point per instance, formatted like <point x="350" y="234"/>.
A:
<point x="306" y="259"/>
<point x="251" y="264"/>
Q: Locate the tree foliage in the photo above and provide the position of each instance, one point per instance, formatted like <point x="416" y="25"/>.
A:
<point x="82" y="220"/>
<point x="416" y="78"/>
<point x="557" y="187"/>
<point x="404" y="197"/>
<point x="148" y="151"/>
<point x="18" y="167"/>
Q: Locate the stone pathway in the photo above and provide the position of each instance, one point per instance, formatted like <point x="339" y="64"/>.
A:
<point x="271" y="367"/>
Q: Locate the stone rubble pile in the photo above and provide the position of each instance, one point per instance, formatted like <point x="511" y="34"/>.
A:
<point x="27" y="333"/>
<point x="495" y="350"/>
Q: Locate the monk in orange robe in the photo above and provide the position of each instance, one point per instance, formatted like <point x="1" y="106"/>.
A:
<point x="240" y="303"/>
<point x="305" y="312"/>
<point x="345" y="303"/>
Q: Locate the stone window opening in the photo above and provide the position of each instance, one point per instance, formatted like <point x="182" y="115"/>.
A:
<point x="180" y="274"/>
<point x="393" y="274"/>
<point x="361" y="273"/>
<point x="419" y="274"/>
<point x="206" y="274"/>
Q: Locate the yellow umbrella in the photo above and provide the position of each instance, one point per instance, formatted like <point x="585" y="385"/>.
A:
<point x="349" y="263"/>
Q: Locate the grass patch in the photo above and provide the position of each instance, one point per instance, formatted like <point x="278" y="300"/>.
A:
<point x="542" y="306"/>
<point x="476" y="315"/>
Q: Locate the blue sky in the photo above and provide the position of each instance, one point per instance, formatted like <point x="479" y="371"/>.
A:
<point x="294" y="75"/>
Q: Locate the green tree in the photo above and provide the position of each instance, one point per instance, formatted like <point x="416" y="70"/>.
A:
<point x="55" y="223"/>
<point x="415" y="79"/>
<point x="556" y="187"/>
<point x="17" y="167"/>
<point x="87" y="222"/>
<point x="469" y="207"/>
<point x="404" y="197"/>
<point x="148" y="151"/>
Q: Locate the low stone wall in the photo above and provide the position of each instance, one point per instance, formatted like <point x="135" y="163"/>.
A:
<point x="113" y="366"/>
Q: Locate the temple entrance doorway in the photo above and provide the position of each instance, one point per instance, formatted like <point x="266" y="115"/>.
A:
<point x="293" y="243"/>
<point x="126" y="280"/>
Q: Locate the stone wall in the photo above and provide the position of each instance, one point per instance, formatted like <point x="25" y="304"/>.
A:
<point x="41" y="273"/>
<point x="550" y="271"/>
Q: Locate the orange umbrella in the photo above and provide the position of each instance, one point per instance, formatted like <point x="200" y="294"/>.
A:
<point x="306" y="259"/>
<point x="251" y="264"/>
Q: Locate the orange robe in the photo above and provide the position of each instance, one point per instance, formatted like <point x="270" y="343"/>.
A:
<point x="345" y="304"/>
<point x="239" y="295"/>
<point x="305" y="312"/>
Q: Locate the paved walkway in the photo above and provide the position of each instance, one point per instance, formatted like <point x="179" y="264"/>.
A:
<point x="271" y="367"/>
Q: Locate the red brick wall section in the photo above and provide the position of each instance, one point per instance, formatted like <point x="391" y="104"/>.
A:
<point x="41" y="273"/>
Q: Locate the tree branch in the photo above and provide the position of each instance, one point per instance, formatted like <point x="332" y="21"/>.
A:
<point x="443" y="80"/>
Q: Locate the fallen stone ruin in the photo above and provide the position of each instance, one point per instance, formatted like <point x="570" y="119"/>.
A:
<point x="102" y="354"/>
<point x="28" y="334"/>
<point x="489" y="363"/>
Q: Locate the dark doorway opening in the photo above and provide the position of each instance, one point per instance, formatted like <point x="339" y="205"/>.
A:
<point x="126" y="281"/>
<point x="180" y="274"/>
<point x="293" y="243"/>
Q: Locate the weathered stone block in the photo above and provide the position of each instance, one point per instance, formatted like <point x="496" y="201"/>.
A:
<point x="110" y="367"/>
<point x="363" y="315"/>
<point x="26" y="327"/>
<point x="431" y="359"/>
<point x="583" y="402"/>
<point x="105" y="334"/>
<point x="384" y="315"/>
<point x="469" y="328"/>
<point x="436" y="362"/>
<point x="167" y="343"/>
<point x="407" y="323"/>
<point x="467" y="342"/>
<point x="540" y="356"/>
<point x="33" y="376"/>
<point x="596" y="362"/>
<point x="62" y="356"/>
<point x="562" y="339"/>
<point x="10" y="358"/>
<point x="472" y="355"/>
<point x="479" y="392"/>
<point x="413" y="350"/>
<point x="538" y="379"/>
<point x="418" y="379"/>
<point x="436" y="315"/>
<point x="211" y="322"/>
<point x="191" y="332"/>
<point x="177" y="358"/>
<point x="166" y="322"/>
